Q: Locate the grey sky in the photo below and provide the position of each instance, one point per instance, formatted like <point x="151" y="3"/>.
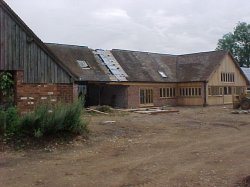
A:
<point x="165" y="26"/>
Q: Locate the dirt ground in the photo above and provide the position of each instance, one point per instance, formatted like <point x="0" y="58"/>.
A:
<point x="195" y="147"/>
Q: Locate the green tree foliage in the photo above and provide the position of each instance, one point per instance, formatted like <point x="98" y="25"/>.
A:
<point x="6" y="87"/>
<point x="238" y="43"/>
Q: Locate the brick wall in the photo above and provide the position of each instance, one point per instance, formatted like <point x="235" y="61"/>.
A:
<point x="27" y="96"/>
<point x="134" y="96"/>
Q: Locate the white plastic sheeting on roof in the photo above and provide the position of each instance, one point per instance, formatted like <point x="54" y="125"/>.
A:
<point x="246" y="72"/>
<point x="114" y="67"/>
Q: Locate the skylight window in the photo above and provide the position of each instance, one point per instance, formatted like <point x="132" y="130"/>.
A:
<point x="83" y="64"/>
<point x="162" y="74"/>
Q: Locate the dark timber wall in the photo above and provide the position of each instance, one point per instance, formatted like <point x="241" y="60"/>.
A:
<point x="20" y="49"/>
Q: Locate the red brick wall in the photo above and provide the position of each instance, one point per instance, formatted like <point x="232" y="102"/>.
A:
<point x="28" y="96"/>
<point x="133" y="97"/>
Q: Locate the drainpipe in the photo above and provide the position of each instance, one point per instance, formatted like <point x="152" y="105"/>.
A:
<point x="205" y="93"/>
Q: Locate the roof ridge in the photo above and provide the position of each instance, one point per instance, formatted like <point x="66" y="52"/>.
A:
<point x="73" y="45"/>
<point x="147" y="52"/>
<point x="202" y="52"/>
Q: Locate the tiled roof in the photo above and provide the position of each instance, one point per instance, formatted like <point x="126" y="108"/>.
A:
<point x="145" y="67"/>
<point x="70" y="54"/>
<point x="140" y="66"/>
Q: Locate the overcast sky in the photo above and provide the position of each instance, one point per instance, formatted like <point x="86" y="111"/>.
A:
<point x="166" y="26"/>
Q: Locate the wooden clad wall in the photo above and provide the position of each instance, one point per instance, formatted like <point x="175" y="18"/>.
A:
<point x="227" y="66"/>
<point x="19" y="51"/>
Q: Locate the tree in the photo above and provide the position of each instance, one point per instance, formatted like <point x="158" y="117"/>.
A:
<point x="238" y="43"/>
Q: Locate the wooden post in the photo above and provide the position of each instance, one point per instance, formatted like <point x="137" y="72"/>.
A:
<point x="99" y="96"/>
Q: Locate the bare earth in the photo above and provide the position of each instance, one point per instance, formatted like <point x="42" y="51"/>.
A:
<point x="195" y="147"/>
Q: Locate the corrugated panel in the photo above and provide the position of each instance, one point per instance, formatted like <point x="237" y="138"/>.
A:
<point x="246" y="72"/>
<point x="112" y="64"/>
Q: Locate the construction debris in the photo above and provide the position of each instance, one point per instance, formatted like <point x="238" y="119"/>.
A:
<point x="108" y="122"/>
<point x="240" y="112"/>
<point x="156" y="111"/>
<point x="96" y="111"/>
<point x="149" y="110"/>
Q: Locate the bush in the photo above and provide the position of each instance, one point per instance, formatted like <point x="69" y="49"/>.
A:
<point x="12" y="120"/>
<point x="2" y="121"/>
<point x="51" y="120"/>
<point x="9" y="121"/>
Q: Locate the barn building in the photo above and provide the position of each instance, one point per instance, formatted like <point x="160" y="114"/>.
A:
<point x="132" y="79"/>
<point x="38" y="74"/>
<point x="119" y="78"/>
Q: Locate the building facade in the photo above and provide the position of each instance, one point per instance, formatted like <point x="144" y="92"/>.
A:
<point x="132" y="79"/>
<point x="119" y="78"/>
<point x="38" y="75"/>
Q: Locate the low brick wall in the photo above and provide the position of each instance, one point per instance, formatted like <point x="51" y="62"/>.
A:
<point x="27" y="96"/>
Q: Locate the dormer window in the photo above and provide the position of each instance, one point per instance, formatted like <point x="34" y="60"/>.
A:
<point x="83" y="64"/>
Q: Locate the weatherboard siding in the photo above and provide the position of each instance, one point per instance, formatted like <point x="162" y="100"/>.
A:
<point x="191" y="100"/>
<point x="227" y="65"/>
<point x="20" y="51"/>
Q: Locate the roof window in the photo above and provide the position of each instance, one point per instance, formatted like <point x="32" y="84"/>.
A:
<point x="162" y="74"/>
<point x="83" y="64"/>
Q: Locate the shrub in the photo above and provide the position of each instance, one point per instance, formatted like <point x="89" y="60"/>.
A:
<point x="6" y="88"/>
<point x="51" y="120"/>
<point x="9" y="121"/>
<point x="2" y="121"/>
<point x="12" y="120"/>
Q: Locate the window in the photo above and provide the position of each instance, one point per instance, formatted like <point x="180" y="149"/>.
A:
<point x="209" y="91"/>
<point x="214" y="90"/>
<point x="146" y="96"/>
<point x="227" y="90"/>
<point x="227" y="77"/>
<point x="83" y="64"/>
<point x="188" y="92"/>
<point x="162" y="74"/>
<point x="219" y="91"/>
<point x="167" y="92"/>
<point x="239" y="90"/>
